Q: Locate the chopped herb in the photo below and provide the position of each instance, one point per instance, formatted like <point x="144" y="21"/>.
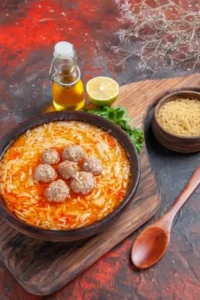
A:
<point x="118" y="115"/>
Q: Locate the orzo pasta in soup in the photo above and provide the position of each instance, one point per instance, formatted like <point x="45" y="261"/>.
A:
<point x="24" y="196"/>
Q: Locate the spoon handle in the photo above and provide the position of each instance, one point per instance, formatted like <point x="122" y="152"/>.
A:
<point x="185" y="194"/>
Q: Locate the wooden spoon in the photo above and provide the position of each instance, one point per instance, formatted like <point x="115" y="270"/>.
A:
<point x="152" y="243"/>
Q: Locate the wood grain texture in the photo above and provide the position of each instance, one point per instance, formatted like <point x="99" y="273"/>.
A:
<point x="44" y="267"/>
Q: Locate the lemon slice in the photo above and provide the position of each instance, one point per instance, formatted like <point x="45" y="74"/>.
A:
<point x="102" y="90"/>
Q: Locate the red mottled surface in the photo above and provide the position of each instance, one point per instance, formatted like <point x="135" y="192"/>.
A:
<point x="29" y="30"/>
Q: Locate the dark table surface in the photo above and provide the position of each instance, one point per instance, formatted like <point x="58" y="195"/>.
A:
<point x="29" y="30"/>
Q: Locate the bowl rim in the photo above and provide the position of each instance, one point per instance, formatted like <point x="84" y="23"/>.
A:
<point x="162" y="101"/>
<point x="41" y="119"/>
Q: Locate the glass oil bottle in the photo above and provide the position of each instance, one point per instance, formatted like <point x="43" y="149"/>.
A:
<point x="67" y="86"/>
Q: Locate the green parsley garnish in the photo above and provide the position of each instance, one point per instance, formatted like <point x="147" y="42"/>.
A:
<point x="118" y="115"/>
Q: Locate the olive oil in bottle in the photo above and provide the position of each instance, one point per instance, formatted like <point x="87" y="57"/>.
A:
<point x="67" y="86"/>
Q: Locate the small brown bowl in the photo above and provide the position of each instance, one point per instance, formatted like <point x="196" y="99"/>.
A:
<point x="182" y="144"/>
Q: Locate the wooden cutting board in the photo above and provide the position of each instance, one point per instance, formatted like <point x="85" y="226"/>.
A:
<point x="43" y="267"/>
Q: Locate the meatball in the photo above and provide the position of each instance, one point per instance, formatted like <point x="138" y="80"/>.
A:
<point x="50" y="156"/>
<point x="73" y="153"/>
<point x="93" y="165"/>
<point x="45" y="173"/>
<point x="57" y="191"/>
<point x="83" y="183"/>
<point x="68" y="169"/>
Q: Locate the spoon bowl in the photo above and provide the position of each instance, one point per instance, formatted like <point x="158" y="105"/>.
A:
<point x="152" y="243"/>
<point x="149" y="247"/>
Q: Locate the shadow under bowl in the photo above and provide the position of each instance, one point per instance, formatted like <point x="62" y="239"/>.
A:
<point x="182" y="144"/>
<point x="97" y="227"/>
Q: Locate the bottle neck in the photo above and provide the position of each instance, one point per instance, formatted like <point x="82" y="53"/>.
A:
<point x="67" y="79"/>
<point x="65" y="71"/>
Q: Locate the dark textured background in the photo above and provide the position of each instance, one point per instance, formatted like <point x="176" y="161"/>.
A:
<point x="29" y="30"/>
